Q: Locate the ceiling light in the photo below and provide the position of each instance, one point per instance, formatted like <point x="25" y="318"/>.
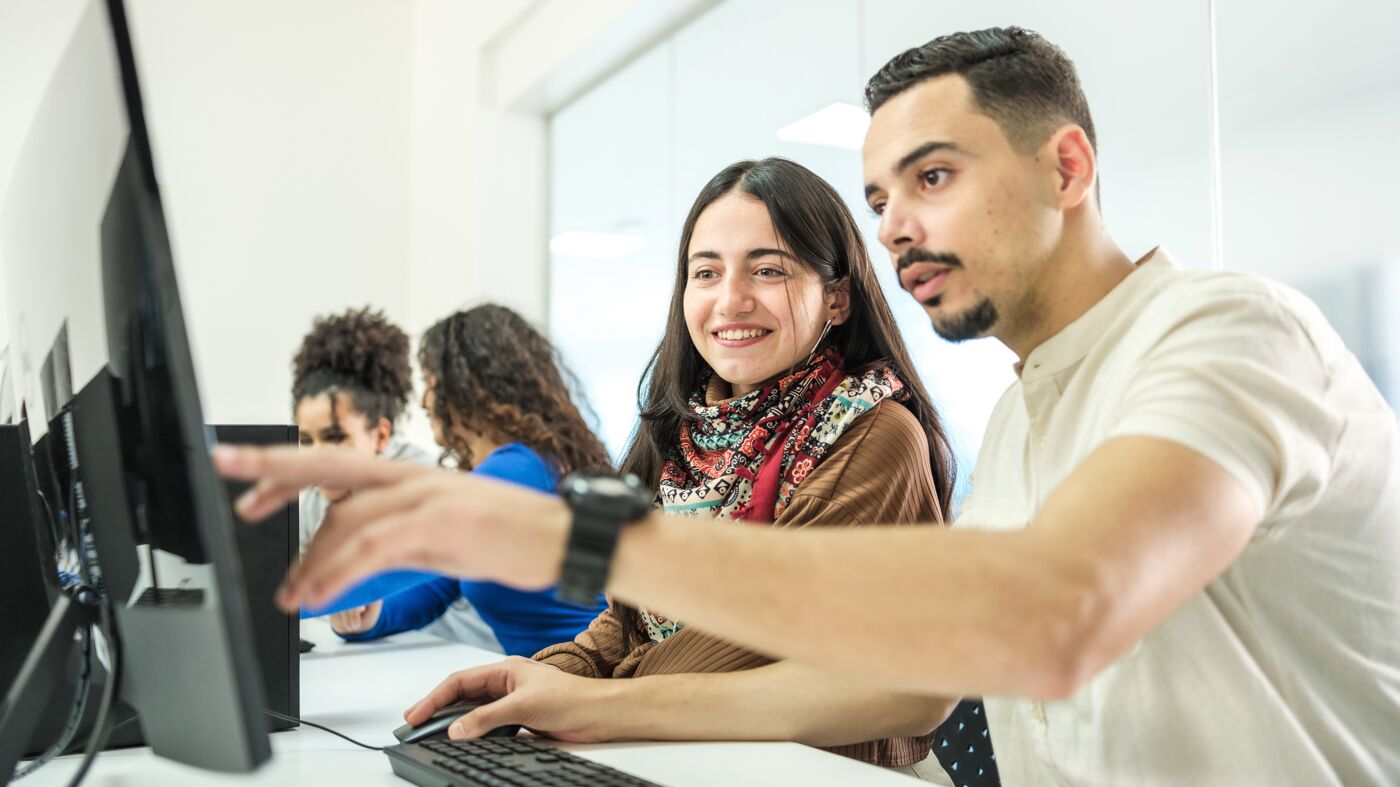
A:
<point x="596" y="245"/>
<point x="838" y="125"/>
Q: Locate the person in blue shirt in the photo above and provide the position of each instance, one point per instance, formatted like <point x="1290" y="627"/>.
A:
<point x="500" y="406"/>
<point x="352" y="379"/>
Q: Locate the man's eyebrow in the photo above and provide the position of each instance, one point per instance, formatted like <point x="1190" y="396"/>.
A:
<point x="921" y="151"/>
<point x="912" y="156"/>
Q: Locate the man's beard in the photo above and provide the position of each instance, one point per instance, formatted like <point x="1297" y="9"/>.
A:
<point x="969" y="324"/>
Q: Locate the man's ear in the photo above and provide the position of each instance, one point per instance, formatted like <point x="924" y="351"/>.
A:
<point x="1076" y="165"/>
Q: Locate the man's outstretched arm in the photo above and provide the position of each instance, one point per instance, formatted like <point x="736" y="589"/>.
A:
<point x="1141" y="525"/>
<point x="1138" y="527"/>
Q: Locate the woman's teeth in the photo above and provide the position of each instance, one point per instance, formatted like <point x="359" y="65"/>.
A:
<point x="749" y="333"/>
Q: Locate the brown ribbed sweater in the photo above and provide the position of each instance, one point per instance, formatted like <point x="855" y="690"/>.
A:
<point x="878" y="471"/>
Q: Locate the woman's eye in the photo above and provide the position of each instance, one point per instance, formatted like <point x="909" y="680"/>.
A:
<point x="878" y="209"/>
<point x="703" y="275"/>
<point x="771" y="273"/>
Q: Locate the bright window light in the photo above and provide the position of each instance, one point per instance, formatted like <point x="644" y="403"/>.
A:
<point x="596" y="245"/>
<point x="838" y="125"/>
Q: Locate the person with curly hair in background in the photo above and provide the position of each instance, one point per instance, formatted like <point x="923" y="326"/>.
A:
<point x="500" y="406"/>
<point x="351" y="380"/>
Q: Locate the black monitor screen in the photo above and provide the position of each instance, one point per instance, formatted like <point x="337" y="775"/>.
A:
<point x="99" y="348"/>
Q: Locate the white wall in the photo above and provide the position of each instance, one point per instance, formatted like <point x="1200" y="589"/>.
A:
<point x="1310" y="115"/>
<point x="453" y="149"/>
<point x="33" y="34"/>
<point x="282" y="134"/>
<point x="314" y="160"/>
<point x="53" y="204"/>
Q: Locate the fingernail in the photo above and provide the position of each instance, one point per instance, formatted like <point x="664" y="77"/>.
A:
<point x="225" y="455"/>
<point x="286" y="599"/>
<point x="456" y="732"/>
<point x="245" y="501"/>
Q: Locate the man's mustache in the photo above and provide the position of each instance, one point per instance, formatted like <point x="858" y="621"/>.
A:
<point x="916" y="255"/>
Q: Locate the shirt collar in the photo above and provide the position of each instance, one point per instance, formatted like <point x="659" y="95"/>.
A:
<point x="1072" y="343"/>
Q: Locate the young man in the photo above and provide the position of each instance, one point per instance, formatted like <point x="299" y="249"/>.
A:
<point x="1180" y="559"/>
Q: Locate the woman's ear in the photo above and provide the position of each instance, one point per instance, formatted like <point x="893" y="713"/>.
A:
<point x="383" y="432"/>
<point x="838" y="301"/>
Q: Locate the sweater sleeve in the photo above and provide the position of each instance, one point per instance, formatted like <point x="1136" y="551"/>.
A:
<point x="594" y="653"/>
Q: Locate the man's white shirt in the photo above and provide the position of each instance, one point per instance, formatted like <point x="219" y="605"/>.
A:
<point x="1286" y="668"/>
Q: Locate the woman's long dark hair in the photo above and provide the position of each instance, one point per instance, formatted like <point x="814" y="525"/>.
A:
<point x="492" y="372"/>
<point x="813" y="222"/>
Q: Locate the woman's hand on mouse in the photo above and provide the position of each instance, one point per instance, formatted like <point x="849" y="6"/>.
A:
<point x="539" y="697"/>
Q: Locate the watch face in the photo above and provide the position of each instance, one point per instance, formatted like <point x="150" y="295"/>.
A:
<point x="610" y="486"/>
<point x="626" y="491"/>
<point x="600" y="486"/>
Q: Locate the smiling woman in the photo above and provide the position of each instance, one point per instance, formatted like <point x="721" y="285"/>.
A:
<point x="781" y="394"/>
<point x="753" y="311"/>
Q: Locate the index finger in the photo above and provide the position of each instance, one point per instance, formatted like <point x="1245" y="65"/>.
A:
<point x="488" y="681"/>
<point x="283" y="470"/>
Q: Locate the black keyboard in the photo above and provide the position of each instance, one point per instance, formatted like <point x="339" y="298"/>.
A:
<point x="501" y="762"/>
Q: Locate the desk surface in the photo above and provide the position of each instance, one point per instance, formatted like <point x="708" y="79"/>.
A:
<point x="362" y="690"/>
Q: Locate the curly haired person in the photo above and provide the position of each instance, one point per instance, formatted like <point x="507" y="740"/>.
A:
<point x="351" y="381"/>
<point x="500" y="406"/>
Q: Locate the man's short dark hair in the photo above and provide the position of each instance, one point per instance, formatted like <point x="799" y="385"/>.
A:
<point x="1019" y="79"/>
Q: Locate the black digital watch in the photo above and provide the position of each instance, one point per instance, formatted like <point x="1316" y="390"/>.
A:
<point x="601" y="506"/>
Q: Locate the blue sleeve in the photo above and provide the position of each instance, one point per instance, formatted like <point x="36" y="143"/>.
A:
<point x="518" y="464"/>
<point x="514" y="463"/>
<point x="411" y="609"/>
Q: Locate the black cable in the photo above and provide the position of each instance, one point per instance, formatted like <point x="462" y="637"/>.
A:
<point x="124" y="722"/>
<point x="274" y="714"/>
<point x="102" y="725"/>
<point x="75" y="715"/>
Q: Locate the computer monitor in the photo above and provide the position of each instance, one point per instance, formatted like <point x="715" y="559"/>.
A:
<point x="96" y="328"/>
<point x="7" y="393"/>
<point x="30" y="582"/>
<point x="28" y="576"/>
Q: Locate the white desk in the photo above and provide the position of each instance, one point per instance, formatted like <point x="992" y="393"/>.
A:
<point x="362" y="691"/>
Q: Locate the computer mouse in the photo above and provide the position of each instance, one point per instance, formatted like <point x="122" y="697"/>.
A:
<point x="436" y="725"/>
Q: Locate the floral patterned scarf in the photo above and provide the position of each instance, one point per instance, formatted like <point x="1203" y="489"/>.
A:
<point x="744" y="458"/>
